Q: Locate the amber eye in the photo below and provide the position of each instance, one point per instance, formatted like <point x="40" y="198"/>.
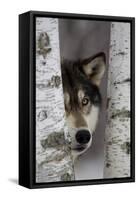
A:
<point x="85" y="101"/>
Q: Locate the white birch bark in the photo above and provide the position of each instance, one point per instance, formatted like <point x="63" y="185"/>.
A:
<point x="53" y="155"/>
<point x="117" y="136"/>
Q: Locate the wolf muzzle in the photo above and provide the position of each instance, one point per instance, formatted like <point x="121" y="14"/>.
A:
<point x="83" y="136"/>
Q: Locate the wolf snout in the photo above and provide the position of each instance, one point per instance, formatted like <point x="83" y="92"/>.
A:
<point x="83" y="136"/>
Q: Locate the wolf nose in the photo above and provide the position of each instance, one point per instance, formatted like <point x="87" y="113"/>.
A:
<point x="83" y="136"/>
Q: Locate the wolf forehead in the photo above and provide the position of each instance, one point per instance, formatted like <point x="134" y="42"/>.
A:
<point x="76" y="83"/>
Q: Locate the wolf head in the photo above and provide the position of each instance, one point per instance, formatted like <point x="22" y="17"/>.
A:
<point x="81" y="80"/>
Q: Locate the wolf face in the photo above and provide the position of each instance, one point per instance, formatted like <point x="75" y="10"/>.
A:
<point x="82" y="98"/>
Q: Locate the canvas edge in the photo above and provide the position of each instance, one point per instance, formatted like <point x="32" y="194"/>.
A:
<point x="31" y="129"/>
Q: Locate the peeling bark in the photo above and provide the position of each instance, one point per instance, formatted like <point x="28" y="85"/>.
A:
<point x="53" y="154"/>
<point x="117" y="136"/>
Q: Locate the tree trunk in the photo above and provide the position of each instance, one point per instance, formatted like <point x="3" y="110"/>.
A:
<point x="117" y="136"/>
<point x="53" y="154"/>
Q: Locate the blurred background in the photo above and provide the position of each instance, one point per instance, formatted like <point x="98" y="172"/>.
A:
<point x="81" y="39"/>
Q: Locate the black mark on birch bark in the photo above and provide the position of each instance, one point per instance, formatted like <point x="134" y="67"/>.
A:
<point x="126" y="147"/>
<point x="55" y="81"/>
<point x="42" y="115"/>
<point x="107" y="103"/>
<point x="123" y="81"/>
<point x="121" y="53"/>
<point x="121" y="113"/>
<point x="108" y="165"/>
<point x="43" y="45"/>
<point x="53" y="140"/>
<point x="66" y="177"/>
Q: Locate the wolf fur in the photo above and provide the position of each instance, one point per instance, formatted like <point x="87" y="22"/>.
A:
<point x="81" y="81"/>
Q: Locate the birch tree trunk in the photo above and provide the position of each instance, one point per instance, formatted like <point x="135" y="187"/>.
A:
<point x="53" y="154"/>
<point x="117" y="136"/>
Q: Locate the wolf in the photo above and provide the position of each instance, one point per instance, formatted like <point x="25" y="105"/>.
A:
<point x="82" y="98"/>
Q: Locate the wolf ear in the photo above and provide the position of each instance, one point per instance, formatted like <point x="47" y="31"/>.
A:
<point x="94" y="67"/>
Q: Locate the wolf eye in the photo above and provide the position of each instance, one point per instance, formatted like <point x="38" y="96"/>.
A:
<point x="85" y="101"/>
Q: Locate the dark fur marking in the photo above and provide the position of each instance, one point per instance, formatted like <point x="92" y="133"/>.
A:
<point x="74" y="79"/>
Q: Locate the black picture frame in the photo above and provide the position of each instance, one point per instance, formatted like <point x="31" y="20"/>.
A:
<point x="27" y="99"/>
